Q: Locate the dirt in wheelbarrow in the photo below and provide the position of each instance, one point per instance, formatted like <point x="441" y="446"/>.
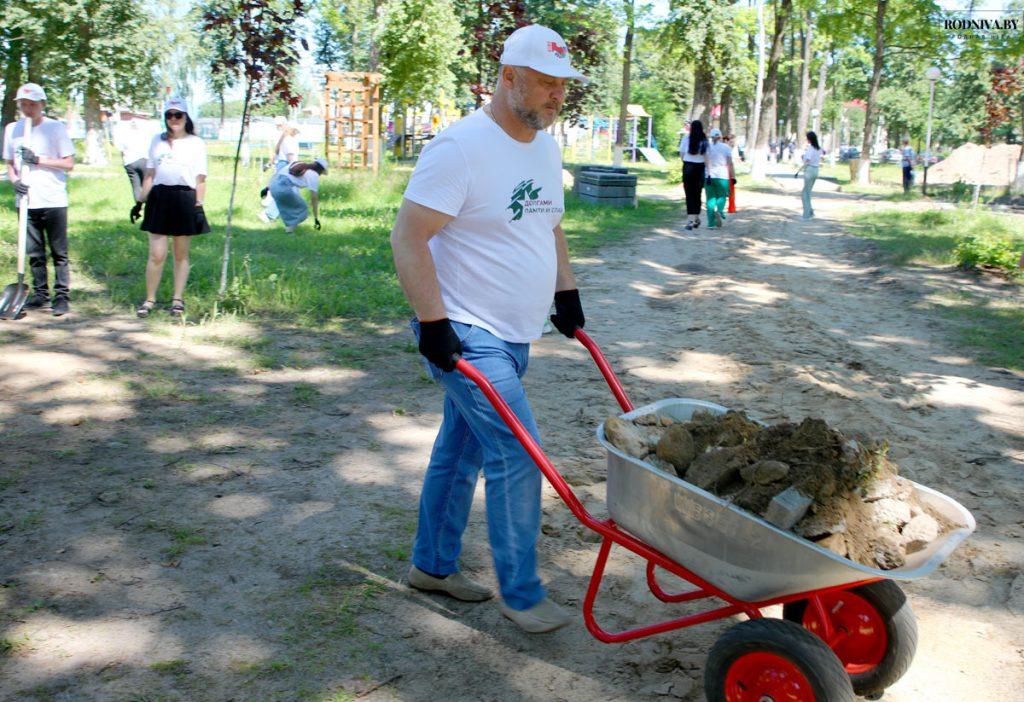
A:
<point x="841" y="492"/>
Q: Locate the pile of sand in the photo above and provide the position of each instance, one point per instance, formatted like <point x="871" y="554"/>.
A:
<point x="842" y="494"/>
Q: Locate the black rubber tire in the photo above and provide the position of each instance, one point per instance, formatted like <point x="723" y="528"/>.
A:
<point x="894" y="608"/>
<point x="790" y="641"/>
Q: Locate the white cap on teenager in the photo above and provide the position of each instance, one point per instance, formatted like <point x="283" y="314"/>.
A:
<point x="541" y="49"/>
<point x="30" y="91"/>
<point x="716" y="132"/>
<point x="322" y="162"/>
<point x="176" y="103"/>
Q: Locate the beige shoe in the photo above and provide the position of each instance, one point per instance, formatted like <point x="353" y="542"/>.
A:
<point x="543" y="617"/>
<point x="457" y="585"/>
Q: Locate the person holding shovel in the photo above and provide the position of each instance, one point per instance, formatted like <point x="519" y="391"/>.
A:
<point x="480" y="254"/>
<point x="49" y="155"/>
<point x="286" y="188"/>
<point x="173" y="192"/>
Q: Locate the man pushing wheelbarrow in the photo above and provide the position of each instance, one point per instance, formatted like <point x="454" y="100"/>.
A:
<point x="480" y="253"/>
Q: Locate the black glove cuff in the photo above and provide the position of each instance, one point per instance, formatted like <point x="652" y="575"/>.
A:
<point x="439" y="343"/>
<point x="567" y="296"/>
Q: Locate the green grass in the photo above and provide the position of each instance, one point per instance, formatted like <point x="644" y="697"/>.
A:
<point x="992" y="326"/>
<point x="343" y="271"/>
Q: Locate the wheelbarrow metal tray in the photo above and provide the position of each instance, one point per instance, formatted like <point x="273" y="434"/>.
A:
<point x="736" y="551"/>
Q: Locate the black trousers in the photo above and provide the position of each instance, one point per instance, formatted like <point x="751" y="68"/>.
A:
<point x="136" y="171"/>
<point x="693" y="186"/>
<point x="49" y="225"/>
<point x="908" y="178"/>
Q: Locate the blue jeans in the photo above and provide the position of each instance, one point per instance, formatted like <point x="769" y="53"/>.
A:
<point x="810" y="175"/>
<point x="473" y="436"/>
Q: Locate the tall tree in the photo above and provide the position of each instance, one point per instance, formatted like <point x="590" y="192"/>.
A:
<point x="783" y="12"/>
<point x="419" y="41"/>
<point x="804" y="104"/>
<point x="627" y="61"/>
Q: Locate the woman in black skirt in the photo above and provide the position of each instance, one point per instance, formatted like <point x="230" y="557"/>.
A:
<point x="693" y="148"/>
<point x="173" y="192"/>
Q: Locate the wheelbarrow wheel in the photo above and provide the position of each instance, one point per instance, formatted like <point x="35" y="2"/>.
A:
<point x="875" y="632"/>
<point x="772" y="659"/>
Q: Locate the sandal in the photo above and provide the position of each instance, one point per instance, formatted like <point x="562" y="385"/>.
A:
<point x="177" y="307"/>
<point x="143" y="310"/>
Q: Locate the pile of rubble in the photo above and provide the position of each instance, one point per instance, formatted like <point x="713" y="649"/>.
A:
<point x="844" y="495"/>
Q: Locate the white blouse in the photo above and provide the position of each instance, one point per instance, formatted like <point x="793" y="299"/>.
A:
<point x="177" y="162"/>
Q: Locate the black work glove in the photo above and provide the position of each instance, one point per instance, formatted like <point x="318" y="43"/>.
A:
<point x="136" y="212"/>
<point x="263" y="193"/>
<point x="20" y="187"/>
<point x="29" y="156"/>
<point x="439" y="344"/>
<point x="568" y="316"/>
<point x="733" y="181"/>
<point x="316" y="224"/>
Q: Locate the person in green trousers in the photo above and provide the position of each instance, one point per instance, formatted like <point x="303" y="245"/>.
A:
<point x="720" y="173"/>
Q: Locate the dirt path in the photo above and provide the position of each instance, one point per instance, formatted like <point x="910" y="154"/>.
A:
<point x="224" y="513"/>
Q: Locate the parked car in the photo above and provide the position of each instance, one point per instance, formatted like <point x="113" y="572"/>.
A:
<point x="848" y="152"/>
<point x="891" y="156"/>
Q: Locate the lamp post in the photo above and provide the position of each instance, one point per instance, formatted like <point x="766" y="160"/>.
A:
<point x="932" y="74"/>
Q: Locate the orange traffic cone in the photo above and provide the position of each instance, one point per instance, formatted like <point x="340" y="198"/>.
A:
<point x="732" y="197"/>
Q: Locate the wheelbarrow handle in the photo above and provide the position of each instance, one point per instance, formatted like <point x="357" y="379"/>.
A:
<point x="524" y="437"/>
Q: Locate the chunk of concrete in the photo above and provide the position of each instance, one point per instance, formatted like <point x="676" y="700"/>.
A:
<point x="889" y="512"/>
<point x="836" y="543"/>
<point x="887" y="552"/>
<point x="764" y="472"/>
<point x="676" y="447"/>
<point x="787" y="508"/>
<point x="919" y="532"/>
<point x="626" y="437"/>
<point x="716" y="468"/>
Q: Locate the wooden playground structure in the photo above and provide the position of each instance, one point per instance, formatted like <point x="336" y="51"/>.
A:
<point x="352" y="119"/>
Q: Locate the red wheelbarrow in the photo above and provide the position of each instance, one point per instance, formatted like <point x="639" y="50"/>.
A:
<point x="846" y="629"/>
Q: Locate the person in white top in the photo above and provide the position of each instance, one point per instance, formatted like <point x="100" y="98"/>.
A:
<point x="173" y="191"/>
<point x="811" y="160"/>
<point x="480" y="253"/>
<point x="49" y="155"/>
<point x="286" y="187"/>
<point x="908" y="165"/>
<point x="719" y="174"/>
<point x="286" y="153"/>
<point x="132" y="139"/>
<point x="693" y="150"/>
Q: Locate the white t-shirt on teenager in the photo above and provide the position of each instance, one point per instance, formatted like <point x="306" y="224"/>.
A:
<point x="684" y="151"/>
<point x="309" y="180"/>
<point x="719" y="155"/>
<point x="47" y="187"/>
<point x="289" y="145"/>
<point x="133" y="140"/>
<point x="496" y="261"/>
<point x="812" y="156"/>
<point x="177" y="164"/>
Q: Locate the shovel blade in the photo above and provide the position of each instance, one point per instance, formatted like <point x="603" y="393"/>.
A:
<point x="13" y="300"/>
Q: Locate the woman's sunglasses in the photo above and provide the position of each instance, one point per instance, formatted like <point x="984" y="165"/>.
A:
<point x="173" y="115"/>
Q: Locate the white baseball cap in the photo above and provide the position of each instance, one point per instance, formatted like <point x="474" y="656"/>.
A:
<point x="716" y="132"/>
<point x="176" y="103"/>
<point x="541" y="49"/>
<point x="30" y="91"/>
<point x="322" y="162"/>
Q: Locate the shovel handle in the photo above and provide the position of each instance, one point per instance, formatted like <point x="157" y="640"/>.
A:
<point x="23" y="207"/>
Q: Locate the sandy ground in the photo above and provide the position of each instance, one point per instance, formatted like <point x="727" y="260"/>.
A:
<point x="225" y="512"/>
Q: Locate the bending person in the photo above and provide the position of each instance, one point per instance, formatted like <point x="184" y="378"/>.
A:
<point x="173" y="190"/>
<point x="285" y="153"/>
<point x="286" y="187"/>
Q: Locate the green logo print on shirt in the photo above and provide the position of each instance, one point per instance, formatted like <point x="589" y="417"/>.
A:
<point x="520" y="194"/>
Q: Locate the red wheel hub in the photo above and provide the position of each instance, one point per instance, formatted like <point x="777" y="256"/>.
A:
<point x="858" y="636"/>
<point x="766" y="677"/>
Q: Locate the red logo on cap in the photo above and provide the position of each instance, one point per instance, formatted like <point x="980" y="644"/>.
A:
<point x="556" y="49"/>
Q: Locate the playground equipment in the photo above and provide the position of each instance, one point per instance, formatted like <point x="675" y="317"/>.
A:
<point x="352" y="119"/>
<point x="595" y="136"/>
<point x="412" y="126"/>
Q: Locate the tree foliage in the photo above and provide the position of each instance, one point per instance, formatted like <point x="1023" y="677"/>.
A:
<point x="418" y="42"/>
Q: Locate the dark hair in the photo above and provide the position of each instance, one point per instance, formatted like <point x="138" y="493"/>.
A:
<point x="189" y="127"/>
<point x="298" y="168"/>
<point x="698" y="143"/>
<point x="813" y="139"/>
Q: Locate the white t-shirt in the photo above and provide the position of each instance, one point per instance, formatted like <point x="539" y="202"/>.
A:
<point x="309" y="180"/>
<point x="496" y="261"/>
<point x="908" y="157"/>
<point x="289" y="145"/>
<point x="812" y="156"/>
<point x="719" y="155"/>
<point x="684" y="151"/>
<point x="133" y="140"/>
<point x="178" y="164"/>
<point x="47" y="186"/>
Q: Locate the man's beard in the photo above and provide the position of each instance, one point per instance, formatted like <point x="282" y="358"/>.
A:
<point x="530" y="118"/>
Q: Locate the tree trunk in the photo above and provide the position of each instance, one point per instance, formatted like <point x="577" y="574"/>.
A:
<point x="627" y="58"/>
<point x="788" y="118"/>
<point x="1017" y="188"/>
<point x="703" y="93"/>
<point x="819" y="94"/>
<point x="727" y="118"/>
<point x="94" y="153"/>
<point x="767" y="116"/>
<point x="12" y="79"/>
<point x="868" y="142"/>
<point x="234" y="185"/>
<point x="220" y="100"/>
<point x="804" y="106"/>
